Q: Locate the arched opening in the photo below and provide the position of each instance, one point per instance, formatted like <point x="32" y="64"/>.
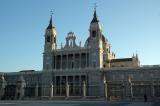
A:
<point x="93" y="34"/>
<point x="48" y="39"/>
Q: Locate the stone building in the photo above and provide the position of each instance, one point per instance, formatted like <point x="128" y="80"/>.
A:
<point x="77" y="71"/>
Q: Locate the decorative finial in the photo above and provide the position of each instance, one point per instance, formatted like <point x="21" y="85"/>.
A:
<point x="95" y="18"/>
<point x="50" y="22"/>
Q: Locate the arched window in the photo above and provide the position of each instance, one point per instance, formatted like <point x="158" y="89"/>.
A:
<point x="93" y="34"/>
<point x="48" y="39"/>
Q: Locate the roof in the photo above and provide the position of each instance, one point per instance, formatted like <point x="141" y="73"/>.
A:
<point x="50" y="26"/>
<point x="121" y="60"/>
<point x="95" y="18"/>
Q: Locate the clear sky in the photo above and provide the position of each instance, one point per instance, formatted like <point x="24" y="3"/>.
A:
<point x="129" y="25"/>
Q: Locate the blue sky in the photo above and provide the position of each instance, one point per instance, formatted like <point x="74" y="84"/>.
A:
<point x="129" y="25"/>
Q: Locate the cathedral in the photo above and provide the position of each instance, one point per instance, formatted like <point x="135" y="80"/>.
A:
<point x="89" y="71"/>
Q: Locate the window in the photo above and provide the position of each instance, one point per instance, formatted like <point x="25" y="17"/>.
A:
<point x="94" y="34"/>
<point x="48" y="39"/>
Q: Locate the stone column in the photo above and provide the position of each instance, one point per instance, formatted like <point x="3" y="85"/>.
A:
<point x="2" y="86"/>
<point x="36" y="90"/>
<point x="86" y="60"/>
<point x="55" y="62"/>
<point x="74" y="61"/>
<point x="60" y="85"/>
<point x="129" y="93"/>
<point x="80" y="85"/>
<point x="2" y="91"/>
<point x="153" y="90"/>
<point x="74" y="85"/>
<point x="22" y="91"/>
<point x="67" y="62"/>
<point x="61" y="61"/>
<point x="80" y="60"/>
<point x="84" y="89"/>
<point x="105" y="91"/>
<point x="51" y="90"/>
<point x="131" y="87"/>
<point x="55" y="87"/>
<point x="67" y="89"/>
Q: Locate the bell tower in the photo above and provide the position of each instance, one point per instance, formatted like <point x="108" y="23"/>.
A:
<point x="95" y="42"/>
<point x="95" y="32"/>
<point x="50" y="37"/>
<point x="49" y="46"/>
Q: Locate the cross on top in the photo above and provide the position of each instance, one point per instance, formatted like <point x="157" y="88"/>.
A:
<point x="51" y="12"/>
<point x="95" y="6"/>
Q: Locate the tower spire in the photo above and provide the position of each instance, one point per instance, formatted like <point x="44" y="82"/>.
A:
<point x="50" y="21"/>
<point x="95" y="18"/>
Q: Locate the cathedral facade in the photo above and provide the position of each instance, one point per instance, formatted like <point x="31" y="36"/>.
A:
<point x="83" y="71"/>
